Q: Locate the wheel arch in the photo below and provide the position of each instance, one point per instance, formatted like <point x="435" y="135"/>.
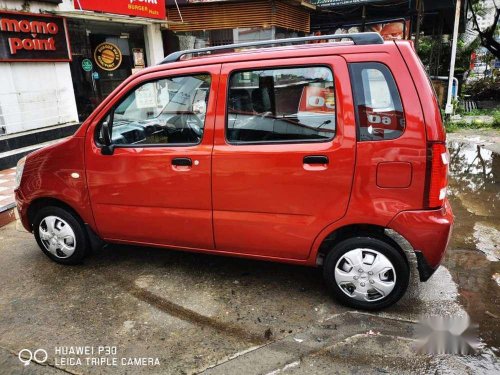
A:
<point x="360" y="230"/>
<point x="39" y="203"/>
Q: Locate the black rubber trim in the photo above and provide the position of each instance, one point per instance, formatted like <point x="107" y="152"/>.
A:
<point x="424" y="270"/>
<point x="96" y="243"/>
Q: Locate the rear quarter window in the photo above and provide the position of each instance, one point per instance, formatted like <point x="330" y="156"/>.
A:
<point x="379" y="110"/>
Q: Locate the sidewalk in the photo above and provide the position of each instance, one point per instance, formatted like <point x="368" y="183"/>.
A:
<point x="7" y="183"/>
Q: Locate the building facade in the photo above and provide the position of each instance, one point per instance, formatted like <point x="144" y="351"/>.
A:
<point x="198" y="23"/>
<point x="97" y="46"/>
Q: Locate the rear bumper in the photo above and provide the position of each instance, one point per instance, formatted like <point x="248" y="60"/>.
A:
<point x="428" y="232"/>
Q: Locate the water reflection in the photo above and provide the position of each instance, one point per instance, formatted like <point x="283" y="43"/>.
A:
<point x="475" y="174"/>
<point x="472" y="258"/>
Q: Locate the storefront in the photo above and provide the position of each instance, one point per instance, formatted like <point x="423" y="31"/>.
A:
<point x="79" y="51"/>
<point x="109" y="42"/>
<point x="198" y="23"/>
<point x="60" y="58"/>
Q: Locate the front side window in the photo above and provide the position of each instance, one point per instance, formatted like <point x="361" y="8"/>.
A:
<point x="378" y="104"/>
<point x="166" y="111"/>
<point x="281" y="105"/>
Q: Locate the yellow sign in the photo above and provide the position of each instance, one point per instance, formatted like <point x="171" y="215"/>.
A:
<point x="107" y="56"/>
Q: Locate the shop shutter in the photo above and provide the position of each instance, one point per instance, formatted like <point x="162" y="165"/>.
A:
<point x="216" y="16"/>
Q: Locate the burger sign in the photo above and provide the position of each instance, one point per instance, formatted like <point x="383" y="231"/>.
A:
<point x="107" y="56"/>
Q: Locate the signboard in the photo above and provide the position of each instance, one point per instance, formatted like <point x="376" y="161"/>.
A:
<point x="87" y="65"/>
<point x="33" y="37"/>
<point x="317" y="100"/>
<point x="341" y="3"/>
<point x="138" y="57"/>
<point x="107" y="56"/>
<point x="139" y="8"/>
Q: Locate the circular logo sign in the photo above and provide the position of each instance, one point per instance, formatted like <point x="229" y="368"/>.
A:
<point x="87" y="65"/>
<point x="107" y="56"/>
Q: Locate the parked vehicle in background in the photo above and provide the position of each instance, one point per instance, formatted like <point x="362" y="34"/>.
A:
<point x="313" y="154"/>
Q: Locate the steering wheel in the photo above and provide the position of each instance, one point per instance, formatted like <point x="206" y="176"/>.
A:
<point x="196" y="126"/>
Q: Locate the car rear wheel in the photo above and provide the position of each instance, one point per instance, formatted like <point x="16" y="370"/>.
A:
<point x="60" y="235"/>
<point x="366" y="273"/>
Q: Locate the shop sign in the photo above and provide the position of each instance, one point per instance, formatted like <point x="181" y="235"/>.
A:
<point x="87" y="65"/>
<point x="107" y="56"/>
<point x="33" y="37"/>
<point x="138" y="57"/>
<point x="139" y="8"/>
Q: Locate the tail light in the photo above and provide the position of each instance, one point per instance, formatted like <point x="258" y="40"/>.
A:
<point x="437" y="175"/>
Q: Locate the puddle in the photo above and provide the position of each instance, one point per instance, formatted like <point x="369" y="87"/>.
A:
<point x="474" y="252"/>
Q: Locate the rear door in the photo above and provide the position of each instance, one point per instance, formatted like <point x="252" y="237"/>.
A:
<point x="284" y="154"/>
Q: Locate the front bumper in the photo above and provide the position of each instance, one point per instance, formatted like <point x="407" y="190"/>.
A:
<point x="22" y="209"/>
<point x="429" y="232"/>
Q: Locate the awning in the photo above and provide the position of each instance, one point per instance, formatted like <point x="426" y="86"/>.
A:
<point x="109" y="17"/>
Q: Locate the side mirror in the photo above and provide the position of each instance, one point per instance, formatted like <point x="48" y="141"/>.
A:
<point x="108" y="148"/>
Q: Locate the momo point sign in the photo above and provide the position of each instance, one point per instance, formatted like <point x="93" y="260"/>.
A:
<point x="138" y="8"/>
<point x="33" y="37"/>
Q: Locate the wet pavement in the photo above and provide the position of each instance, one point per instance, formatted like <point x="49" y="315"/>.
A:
<point x="197" y="313"/>
<point x="474" y="252"/>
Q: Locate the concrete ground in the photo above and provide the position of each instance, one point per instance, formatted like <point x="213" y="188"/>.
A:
<point x="180" y="313"/>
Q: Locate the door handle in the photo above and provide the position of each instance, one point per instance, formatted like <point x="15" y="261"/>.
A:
<point x="182" y="162"/>
<point x="316" y="159"/>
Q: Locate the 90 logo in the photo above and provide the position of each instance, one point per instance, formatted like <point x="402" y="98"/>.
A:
<point x="39" y="356"/>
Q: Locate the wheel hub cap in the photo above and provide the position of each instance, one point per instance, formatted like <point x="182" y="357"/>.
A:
<point x="365" y="275"/>
<point x="57" y="236"/>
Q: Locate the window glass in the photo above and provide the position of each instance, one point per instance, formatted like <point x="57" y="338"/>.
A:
<point x="378" y="104"/>
<point x="167" y="111"/>
<point x="281" y="105"/>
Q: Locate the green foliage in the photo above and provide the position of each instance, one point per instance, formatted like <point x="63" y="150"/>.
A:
<point x="453" y="126"/>
<point x="483" y="89"/>
<point x="430" y="46"/>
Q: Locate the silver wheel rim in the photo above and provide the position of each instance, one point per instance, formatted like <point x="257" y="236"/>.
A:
<point x="365" y="275"/>
<point x="57" y="236"/>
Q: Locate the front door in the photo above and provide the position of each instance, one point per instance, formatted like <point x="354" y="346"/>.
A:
<point x="155" y="188"/>
<point x="284" y="154"/>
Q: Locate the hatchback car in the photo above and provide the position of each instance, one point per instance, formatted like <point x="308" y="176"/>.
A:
<point x="327" y="154"/>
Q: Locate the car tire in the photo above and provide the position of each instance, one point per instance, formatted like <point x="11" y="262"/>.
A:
<point x="366" y="273"/>
<point x="61" y="235"/>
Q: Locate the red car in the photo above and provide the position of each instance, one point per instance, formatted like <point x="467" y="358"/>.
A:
<point x="329" y="154"/>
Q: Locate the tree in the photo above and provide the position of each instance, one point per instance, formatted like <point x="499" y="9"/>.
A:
<point x="486" y="36"/>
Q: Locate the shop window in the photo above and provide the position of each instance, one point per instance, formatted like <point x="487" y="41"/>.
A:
<point x="281" y="105"/>
<point x="165" y="112"/>
<point x="379" y="110"/>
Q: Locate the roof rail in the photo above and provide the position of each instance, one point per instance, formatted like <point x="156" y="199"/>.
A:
<point x="357" y="39"/>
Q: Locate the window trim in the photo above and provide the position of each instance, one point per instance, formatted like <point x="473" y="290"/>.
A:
<point x="278" y="142"/>
<point x="350" y="67"/>
<point x="122" y="98"/>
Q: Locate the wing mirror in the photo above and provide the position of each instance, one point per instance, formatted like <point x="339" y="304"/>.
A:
<point x="108" y="148"/>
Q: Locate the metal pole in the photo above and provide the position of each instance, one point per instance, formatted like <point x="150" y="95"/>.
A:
<point x="449" y="107"/>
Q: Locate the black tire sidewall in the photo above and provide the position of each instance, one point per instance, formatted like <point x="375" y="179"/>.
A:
<point x="76" y="225"/>
<point x="395" y="257"/>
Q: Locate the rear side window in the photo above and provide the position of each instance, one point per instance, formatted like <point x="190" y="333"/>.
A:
<point x="285" y="105"/>
<point x="378" y="104"/>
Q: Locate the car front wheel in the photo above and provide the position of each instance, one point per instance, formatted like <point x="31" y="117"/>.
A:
<point x="60" y="235"/>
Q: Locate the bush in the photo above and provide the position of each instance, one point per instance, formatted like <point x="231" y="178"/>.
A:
<point x="484" y="89"/>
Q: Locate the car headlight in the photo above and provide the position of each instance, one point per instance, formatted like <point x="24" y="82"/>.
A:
<point x="19" y="171"/>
